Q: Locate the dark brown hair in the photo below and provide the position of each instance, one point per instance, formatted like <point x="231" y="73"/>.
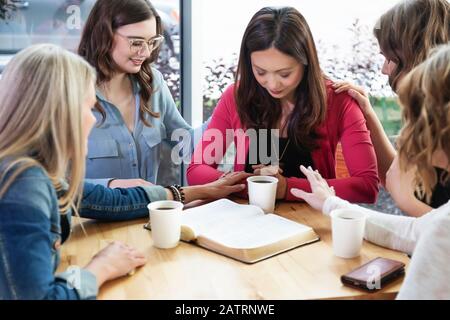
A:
<point x="97" y="40"/>
<point x="408" y="31"/>
<point x="286" y="30"/>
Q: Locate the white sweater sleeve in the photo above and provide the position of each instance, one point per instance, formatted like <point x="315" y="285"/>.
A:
<point x="395" y="232"/>
<point x="428" y="273"/>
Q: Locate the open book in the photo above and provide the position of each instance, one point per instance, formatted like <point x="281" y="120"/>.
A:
<point x="242" y="232"/>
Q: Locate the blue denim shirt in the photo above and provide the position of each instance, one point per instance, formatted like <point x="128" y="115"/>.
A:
<point x="30" y="234"/>
<point x="115" y="152"/>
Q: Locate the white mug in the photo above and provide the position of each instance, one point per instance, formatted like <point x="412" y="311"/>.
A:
<point x="165" y="221"/>
<point x="262" y="192"/>
<point x="347" y="227"/>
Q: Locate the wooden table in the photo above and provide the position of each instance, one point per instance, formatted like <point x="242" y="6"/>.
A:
<point x="190" y="272"/>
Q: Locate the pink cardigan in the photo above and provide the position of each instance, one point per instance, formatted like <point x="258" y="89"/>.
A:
<point x="344" y="122"/>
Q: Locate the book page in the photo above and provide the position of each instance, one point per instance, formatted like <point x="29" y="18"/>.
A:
<point x="218" y="215"/>
<point x="255" y="232"/>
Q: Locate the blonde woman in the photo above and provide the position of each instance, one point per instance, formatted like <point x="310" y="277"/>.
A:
<point x="406" y="35"/>
<point x="425" y="97"/>
<point x="47" y="95"/>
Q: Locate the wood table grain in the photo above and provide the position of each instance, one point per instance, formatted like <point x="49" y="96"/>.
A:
<point x="191" y="272"/>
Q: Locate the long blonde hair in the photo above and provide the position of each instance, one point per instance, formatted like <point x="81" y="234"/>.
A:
<point x="425" y="97"/>
<point x="42" y="91"/>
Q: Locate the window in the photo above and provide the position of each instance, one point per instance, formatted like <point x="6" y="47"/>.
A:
<point x="23" y="23"/>
<point x="41" y="21"/>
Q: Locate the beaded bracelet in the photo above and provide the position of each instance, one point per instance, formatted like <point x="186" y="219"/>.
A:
<point x="177" y="192"/>
<point x="181" y="193"/>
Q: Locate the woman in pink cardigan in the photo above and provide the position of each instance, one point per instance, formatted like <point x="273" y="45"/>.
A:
<point x="281" y="86"/>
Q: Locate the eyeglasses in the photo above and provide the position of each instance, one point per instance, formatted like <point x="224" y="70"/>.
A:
<point x="137" y="45"/>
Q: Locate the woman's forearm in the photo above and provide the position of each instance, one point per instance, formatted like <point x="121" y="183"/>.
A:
<point x="414" y="207"/>
<point x="384" y="150"/>
<point x="119" y="204"/>
<point x="195" y="193"/>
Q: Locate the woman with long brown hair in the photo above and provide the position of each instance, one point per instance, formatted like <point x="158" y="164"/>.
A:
<point x="281" y="87"/>
<point x="406" y="34"/>
<point x="135" y="111"/>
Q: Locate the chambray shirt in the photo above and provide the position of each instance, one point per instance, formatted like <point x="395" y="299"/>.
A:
<point x="115" y="152"/>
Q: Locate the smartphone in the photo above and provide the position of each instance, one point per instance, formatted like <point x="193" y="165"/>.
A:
<point x="374" y="275"/>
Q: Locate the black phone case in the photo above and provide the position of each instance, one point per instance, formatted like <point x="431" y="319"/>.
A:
<point x="385" y="279"/>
